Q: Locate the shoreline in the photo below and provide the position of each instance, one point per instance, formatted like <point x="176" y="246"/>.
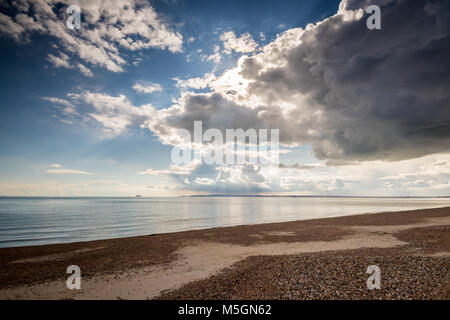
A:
<point x="147" y="266"/>
<point x="232" y="225"/>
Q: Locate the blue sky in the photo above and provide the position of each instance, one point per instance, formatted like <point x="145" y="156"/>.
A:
<point x="55" y="140"/>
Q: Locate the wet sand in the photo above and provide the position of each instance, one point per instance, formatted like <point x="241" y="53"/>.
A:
<point x="309" y="259"/>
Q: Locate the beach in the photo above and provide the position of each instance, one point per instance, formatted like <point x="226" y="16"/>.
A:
<point x="307" y="259"/>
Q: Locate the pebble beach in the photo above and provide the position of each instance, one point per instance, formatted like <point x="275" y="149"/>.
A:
<point x="309" y="259"/>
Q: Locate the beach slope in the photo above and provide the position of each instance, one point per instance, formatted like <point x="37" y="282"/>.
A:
<point x="310" y="259"/>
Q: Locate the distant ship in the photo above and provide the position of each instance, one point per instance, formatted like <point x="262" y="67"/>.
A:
<point x="138" y="196"/>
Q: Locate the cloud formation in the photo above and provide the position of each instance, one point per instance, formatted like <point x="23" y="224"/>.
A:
<point x="426" y="176"/>
<point x="362" y="99"/>
<point x="57" y="169"/>
<point x="63" y="62"/>
<point x="107" y="27"/>
<point x="243" y="44"/>
<point x="147" y="88"/>
<point x="115" y="114"/>
<point x="244" y="178"/>
<point x="350" y="92"/>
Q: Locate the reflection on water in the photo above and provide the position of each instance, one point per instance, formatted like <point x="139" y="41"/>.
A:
<point x="33" y="221"/>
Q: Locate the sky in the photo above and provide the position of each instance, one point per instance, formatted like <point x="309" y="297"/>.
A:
<point x="96" y="111"/>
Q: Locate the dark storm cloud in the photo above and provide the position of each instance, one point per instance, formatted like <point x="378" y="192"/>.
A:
<point x="354" y="94"/>
<point x="383" y="93"/>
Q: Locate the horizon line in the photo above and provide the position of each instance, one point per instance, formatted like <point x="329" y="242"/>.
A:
<point x="233" y="196"/>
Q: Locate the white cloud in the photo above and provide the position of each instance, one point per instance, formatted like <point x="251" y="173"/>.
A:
<point x="67" y="171"/>
<point x="244" y="43"/>
<point x="108" y="26"/>
<point x="196" y="83"/>
<point x="57" y="169"/>
<point x="204" y="181"/>
<point x="63" y="61"/>
<point x="336" y="184"/>
<point x="84" y="70"/>
<point x="59" y="62"/>
<point x="68" y="107"/>
<point x="215" y="57"/>
<point x="147" y="88"/>
<point x="115" y="114"/>
<point x="59" y="101"/>
<point x="172" y="171"/>
<point x="243" y="178"/>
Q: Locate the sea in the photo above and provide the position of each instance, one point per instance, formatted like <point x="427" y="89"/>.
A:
<point x="29" y="221"/>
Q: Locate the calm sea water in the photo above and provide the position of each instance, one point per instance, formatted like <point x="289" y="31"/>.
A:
<point x="35" y="221"/>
